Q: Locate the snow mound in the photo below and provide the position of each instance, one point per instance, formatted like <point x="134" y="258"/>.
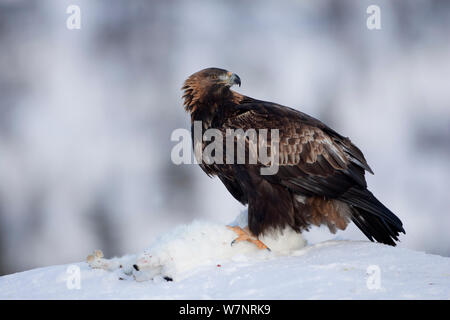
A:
<point x="203" y="265"/>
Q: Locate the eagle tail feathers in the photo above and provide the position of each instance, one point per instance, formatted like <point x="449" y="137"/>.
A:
<point x="373" y="218"/>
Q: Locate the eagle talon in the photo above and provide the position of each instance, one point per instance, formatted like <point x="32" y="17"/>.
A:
<point x="244" y="235"/>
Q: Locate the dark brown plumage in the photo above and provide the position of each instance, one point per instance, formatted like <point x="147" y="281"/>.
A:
<point x="320" y="180"/>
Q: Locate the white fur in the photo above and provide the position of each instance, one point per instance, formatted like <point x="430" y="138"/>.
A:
<point x="187" y="248"/>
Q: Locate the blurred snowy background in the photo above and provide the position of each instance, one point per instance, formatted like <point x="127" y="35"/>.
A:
<point x="86" y="115"/>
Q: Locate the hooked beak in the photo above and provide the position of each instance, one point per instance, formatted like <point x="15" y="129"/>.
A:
<point x="234" y="79"/>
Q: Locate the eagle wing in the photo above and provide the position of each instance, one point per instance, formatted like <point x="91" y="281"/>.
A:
<point x="313" y="158"/>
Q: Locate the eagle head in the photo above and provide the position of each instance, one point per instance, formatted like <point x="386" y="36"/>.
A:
<point x="207" y="86"/>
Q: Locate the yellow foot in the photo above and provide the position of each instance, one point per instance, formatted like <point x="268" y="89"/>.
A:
<point x="244" y="235"/>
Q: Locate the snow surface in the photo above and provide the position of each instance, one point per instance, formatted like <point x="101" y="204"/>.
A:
<point x="203" y="265"/>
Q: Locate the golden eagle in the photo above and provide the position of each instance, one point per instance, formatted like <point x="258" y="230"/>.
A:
<point x="320" y="178"/>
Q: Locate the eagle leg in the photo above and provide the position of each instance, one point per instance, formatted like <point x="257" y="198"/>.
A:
<point x="244" y="235"/>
